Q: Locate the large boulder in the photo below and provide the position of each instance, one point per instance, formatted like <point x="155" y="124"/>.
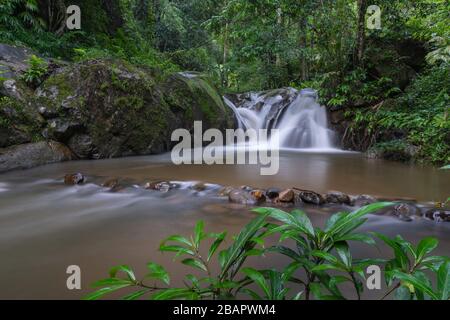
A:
<point x="105" y="109"/>
<point x="30" y="155"/>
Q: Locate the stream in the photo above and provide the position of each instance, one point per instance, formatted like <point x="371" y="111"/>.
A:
<point x="45" y="226"/>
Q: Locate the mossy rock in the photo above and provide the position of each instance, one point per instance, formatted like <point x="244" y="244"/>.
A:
<point x="108" y="108"/>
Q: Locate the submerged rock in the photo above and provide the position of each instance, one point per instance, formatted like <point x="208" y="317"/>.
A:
<point x="241" y="197"/>
<point x="199" y="186"/>
<point x="162" y="186"/>
<point x="337" y="198"/>
<point x="225" y="191"/>
<point x="259" y="196"/>
<point x="286" y="196"/>
<point x="405" y="212"/>
<point x="272" y="193"/>
<point x="74" y="179"/>
<point x="310" y="197"/>
<point x="363" y="200"/>
<point x="438" y="215"/>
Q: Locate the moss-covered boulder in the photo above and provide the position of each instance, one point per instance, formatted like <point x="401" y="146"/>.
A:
<point x="104" y="109"/>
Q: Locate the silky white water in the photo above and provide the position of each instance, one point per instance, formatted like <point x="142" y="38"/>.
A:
<point x="302" y="123"/>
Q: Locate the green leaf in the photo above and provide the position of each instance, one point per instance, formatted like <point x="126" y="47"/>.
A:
<point x="174" y="294"/>
<point x="158" y="272"/>
<point x="324" y="267"/>
<point x="104" y="291"/>
<point x="344" y="253"/>
<point x="195" y="264"/>
<point x="358" y="237"/>
<point x="112" y="282"/>
<point x="178" y="249"/>
<point x="136" y="295"/>
<point x="444" y="280"/>
<point x="402" y="293"/>
<point x="418" y="284"/>
<point x="177" y="238"/>
<point x="199" y="235"/>
<point x="220" y="238"/>
<point x="237" y="249"/>
<point x="258" y="278"/>
<point x="125" y="269"/>
<point x="347" y="223"/>
<point x="400" y="254"/>
<point x="425" y="246"/>
<point x="297" y="219"/>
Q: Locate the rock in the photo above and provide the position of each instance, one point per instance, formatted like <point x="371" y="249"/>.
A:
<point x="83" y="147"/>
<point x="405" y="212"/>
<point x="74" y="179"/>
<point x="199" y="186"/>
<point x="363" y="200"/>
<point x="338" y="198"/>
<point x="258" y="195"/>
<point x="113" y="185"/>
<point x="272" y="193"/>
<point x="310" y="197"/>
<point x="438" y="215"/>
<point x="246" y="188"/>
<point x="241" y="197"/>
<point x="163" y="186"/>
<point x="30" y="155"/>
<point x="286" y="196"/>
<point x="225" y="191"/>
<point x="14" y="60"/>
<point x="116" y="109"/>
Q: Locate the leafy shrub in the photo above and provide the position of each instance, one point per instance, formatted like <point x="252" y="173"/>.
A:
<point x="36" y="71"/>
<point x="323" y="254"/>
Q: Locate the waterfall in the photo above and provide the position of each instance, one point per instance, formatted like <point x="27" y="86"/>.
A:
<point x="301" y="121"/>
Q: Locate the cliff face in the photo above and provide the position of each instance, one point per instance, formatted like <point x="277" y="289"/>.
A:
<point x="101" y="108"/>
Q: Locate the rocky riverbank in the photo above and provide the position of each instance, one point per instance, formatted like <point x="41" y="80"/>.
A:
<point x="97" y="109"/>
<point x="403" y="209"/>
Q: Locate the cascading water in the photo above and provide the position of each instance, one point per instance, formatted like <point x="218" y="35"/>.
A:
<point x="301" y="121"/>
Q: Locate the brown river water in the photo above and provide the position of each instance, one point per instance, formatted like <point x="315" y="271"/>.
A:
<point x="46" y="226"/>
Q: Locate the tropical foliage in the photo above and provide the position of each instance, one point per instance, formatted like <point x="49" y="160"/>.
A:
<point x="321" y="262"/>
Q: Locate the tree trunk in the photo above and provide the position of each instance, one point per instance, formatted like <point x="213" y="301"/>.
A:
<point x="225" y="56"/>
<point x="361" y="35"/>
<point x="280" y="27"/>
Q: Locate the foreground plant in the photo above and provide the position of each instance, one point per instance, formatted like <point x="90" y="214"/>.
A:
<point x="321" y="262"/>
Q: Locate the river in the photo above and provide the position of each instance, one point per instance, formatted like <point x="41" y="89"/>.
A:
<point x="45" y="226"/>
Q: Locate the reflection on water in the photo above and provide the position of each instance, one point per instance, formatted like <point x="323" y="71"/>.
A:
<point x="46" y="226"/>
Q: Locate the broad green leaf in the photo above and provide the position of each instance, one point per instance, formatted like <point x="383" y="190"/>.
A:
<point x="258" y="278"/>
<point x="325" y="255"/>
<point x="136" y="295"/>
<point x="344" y="253"/>
<point x="220" y="238"/>
<point x="112" y="282"/>
<point x="175" y="294"/>
<point x="178" y="249"/>
<point x="444" y="280"/>
<point x="177" y="238"/>
<point x="158" y="272"/>
<point x="297" y="219"/>
<point x="417" y="283"/>
<point x="104" y="291"/>
<point x="199" y="233"/>
<point x="402" y="293"/>
<point x="346" y="223"/>
<point x="425" y="246"/>
<point x="125" y="269"/>
<point x="237" y="249"/>
<point x="195" y="264"/>
<point x="358" y="237"/>
<point x="400" y="254"/>
<point x="324" y="267"/>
